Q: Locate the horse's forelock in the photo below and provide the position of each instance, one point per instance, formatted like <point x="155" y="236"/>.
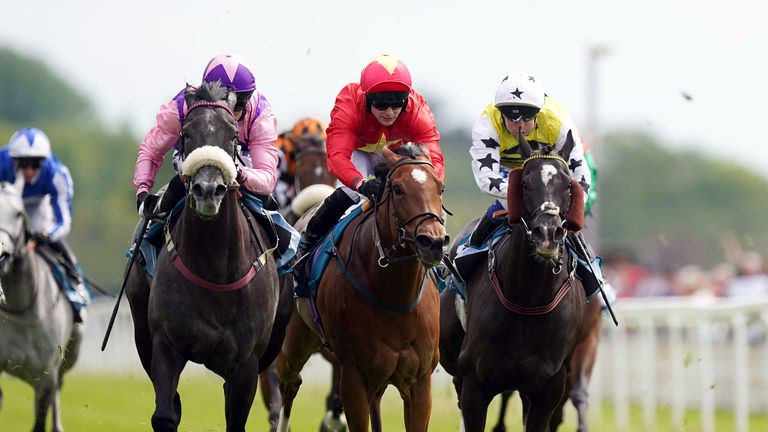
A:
<point x="409" y="150"/>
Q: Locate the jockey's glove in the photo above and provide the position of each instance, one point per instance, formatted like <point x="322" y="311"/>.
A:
<point x="39" y="238"/>
<point x="240" y="178"/>
<point x="371" y="189"/>
<point x="140" y="200"/>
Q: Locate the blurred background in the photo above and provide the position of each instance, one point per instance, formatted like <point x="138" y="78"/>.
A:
<point x="669" y="95"/>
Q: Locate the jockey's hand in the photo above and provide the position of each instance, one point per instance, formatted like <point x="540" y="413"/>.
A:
<point x="38" y="239"/>
<point x="240" y="178"/>
<point x="140" y="200"/>
<point x="371" y="189"/>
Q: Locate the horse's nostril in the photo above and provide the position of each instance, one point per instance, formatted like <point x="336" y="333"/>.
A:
<point x="538" y="233"/>
<point x="559" y="234"/>
<point x="220" y="191"/>
<point x="197" y="190"/>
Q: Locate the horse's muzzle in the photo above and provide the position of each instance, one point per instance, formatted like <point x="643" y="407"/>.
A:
<point x="547" y="239"/>
<point x="430" y="249"/>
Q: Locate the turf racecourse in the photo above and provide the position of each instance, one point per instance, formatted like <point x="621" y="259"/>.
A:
<point x="116" y="404"/>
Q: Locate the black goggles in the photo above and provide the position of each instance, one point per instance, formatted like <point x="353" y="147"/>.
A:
<point x="29" y="162"/>
<point x="242" y="99"/>
<point x="384" y="100"/>
<point x="515" y="114"/>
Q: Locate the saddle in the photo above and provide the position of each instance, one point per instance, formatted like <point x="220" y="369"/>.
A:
<point x="311" y="268"/>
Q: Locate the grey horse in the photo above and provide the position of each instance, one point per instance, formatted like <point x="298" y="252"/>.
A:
<point x="38" y="338"/>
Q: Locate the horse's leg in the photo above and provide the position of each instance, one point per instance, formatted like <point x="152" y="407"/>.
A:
<point x="418" y="405"/>
<point x="332" y="422"/>
<point x="355" y="398"/>
<point x="137" y="291"/>
<point x="544" y="403"/>
<point x="375" y="410"/>
<point x="474" y="405"/>
<point x="165" y="372"/>
<point x="500" y="427"/>
<point x="270" y="391"/>
<point x="299" y="344"/>
<point x="45" y="389"/>
<point x="239" y="392"/>
<point x="582" y="363"/>
<point x="58" y="426"/>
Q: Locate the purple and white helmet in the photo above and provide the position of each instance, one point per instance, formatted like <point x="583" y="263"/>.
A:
<point x="232" y="71"/>
<point x="29" y="143"/>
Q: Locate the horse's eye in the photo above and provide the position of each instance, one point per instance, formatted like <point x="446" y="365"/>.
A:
<point x="442" y="190"/>
<point x="397" y="190"/>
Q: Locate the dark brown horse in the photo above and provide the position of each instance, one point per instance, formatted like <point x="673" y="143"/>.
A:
<point x="378" y="307"/>
<point x="525" y="310"/>
<point x="579" y="373"/>
<point x="214" y="298"/>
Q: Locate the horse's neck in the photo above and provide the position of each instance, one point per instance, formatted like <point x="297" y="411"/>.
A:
<point x="408" y="273"/>
<point x="22" y="283"/>
<point x="218" y="244"/>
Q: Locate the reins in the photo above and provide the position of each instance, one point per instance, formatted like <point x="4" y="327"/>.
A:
<point x="387" y="256"/>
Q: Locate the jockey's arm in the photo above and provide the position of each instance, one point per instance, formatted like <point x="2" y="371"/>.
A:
<point x="261" y="177"/>
<point x="485" y="159"/>
<point x="61" y="201"/>
<point x="157" y="142"/>
<point x="576" y="161"/>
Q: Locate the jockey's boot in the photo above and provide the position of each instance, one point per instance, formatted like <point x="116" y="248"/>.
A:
<point x="76" y="292"/>
<point x="591" y="275"/>
<point x="323" y="220"/>
<point x="486" y="225"/>
<point x="172" y="195"/>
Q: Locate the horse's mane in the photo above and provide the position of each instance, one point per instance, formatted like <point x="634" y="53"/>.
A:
<point x="209" y="91"/>
<point x="409" y="150"/>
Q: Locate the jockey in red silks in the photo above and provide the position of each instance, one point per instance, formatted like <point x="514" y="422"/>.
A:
<point x="256" y="125"/>
<point x="381" y="111"/>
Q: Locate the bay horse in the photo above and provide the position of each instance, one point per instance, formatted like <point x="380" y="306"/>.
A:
<point x="377" y="306"/>
<point x="215" y="298"/>
<point x="38" y="338"/>
<point x="579" y="373"/>
<point x="525" y="309"/>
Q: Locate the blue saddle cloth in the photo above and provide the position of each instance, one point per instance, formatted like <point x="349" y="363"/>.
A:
<point x="468" y="258"/>
<point x="284" y="234"/>
<point x="321" y="255"/>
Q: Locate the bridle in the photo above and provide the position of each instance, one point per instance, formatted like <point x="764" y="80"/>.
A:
<point x="312" y="150"/>
<point x="388" y="255"/>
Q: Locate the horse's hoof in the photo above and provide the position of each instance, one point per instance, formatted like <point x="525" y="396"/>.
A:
<point x="163" y="425"/>
<point x="333" y="424"/>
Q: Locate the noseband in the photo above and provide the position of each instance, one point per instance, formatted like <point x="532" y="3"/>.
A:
<point x="388" y="255"/>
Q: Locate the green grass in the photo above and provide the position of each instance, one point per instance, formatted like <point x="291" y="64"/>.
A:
<point x="118" y="404"/>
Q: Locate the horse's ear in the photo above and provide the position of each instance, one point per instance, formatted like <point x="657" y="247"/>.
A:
<point x="565" y="152"/>
<point x="389" y="155"/>
<point x="190" y="94"/>
<point x="231" y="99"/>
<point x="525" y="147"/>
<point x="424" y="149"/>
<point x="574" y="218"/>
<point x="515" y="205"/>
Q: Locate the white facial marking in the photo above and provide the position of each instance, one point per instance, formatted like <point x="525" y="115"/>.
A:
<point x="547" y="172"/>
<point x="419" y="175"/>
<point x="548" y="207"/>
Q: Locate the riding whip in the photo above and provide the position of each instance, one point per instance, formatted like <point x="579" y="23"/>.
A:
<point x="149" y="205"/>
<point x="581" y="244"/>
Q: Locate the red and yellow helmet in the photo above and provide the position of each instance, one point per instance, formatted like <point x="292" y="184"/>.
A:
<point x="385" y="73"/>
<point x="312" y="126"/>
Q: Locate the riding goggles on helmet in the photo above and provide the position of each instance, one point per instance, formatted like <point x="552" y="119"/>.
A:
<point x="29" y="162"/>
<point x="516" y="113"/>
<point x="242" y="100"/>
<point x="383" y="100"/>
